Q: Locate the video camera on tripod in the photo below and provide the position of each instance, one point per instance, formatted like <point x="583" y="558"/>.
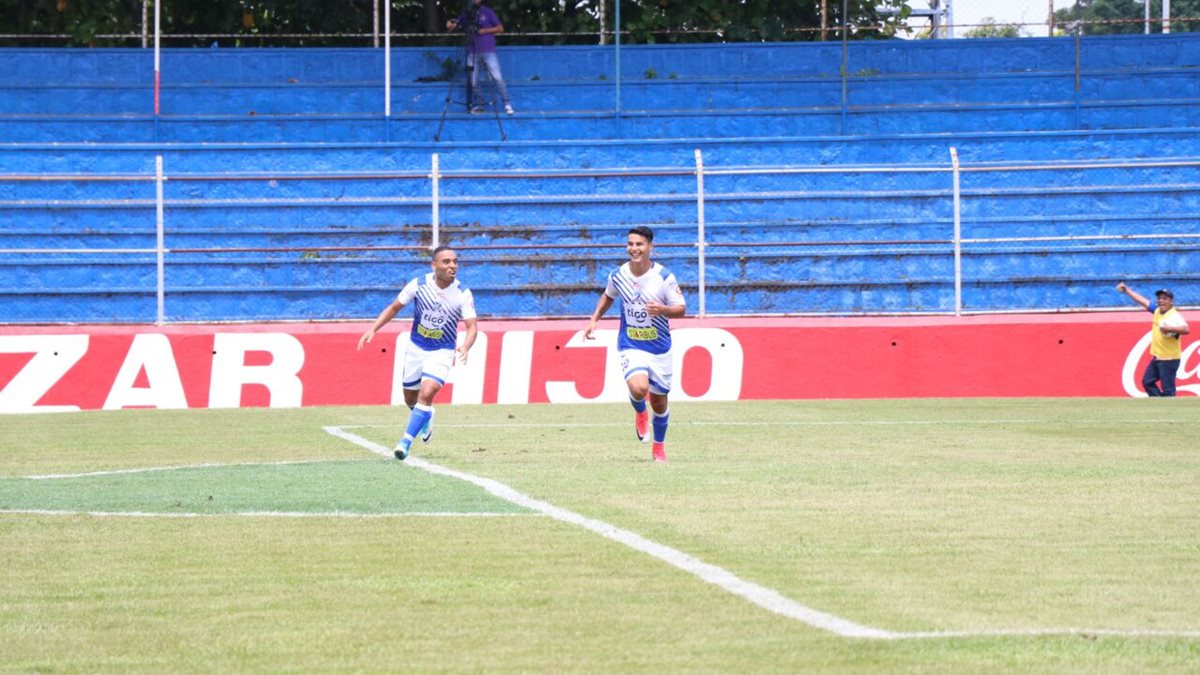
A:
<point x="468" y="22"/>
<point x="471" y="14"/>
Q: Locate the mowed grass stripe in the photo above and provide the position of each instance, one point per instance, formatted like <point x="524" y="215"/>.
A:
<point x="330" y="487"/>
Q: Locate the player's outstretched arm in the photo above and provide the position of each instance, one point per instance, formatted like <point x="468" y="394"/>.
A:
<point x="385" y="316"/>
<point x="602" y="306"/>
<point x="1133" y="295"/>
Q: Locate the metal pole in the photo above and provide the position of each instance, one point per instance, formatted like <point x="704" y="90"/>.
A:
<point x="617" y="43"/>
<point x="158" y="226"/>
<point x="375" y="24"/>
<point x="1050" y="22"/>
<point x="157" y="60"/>
<point x="1166" y="18"/>
<point x="602" y="18"/>
<point x="435" y="219"/>
<point x="845" y="61"/>
<point x="700" y="237"/>
<point x="387" y="59"/>
<point x="824" y="19"/>
<point x="1079" y="69"/>
<point x="145" y="22"/>
<point x="957" y="234"/>
<point x="1146" y="20"/>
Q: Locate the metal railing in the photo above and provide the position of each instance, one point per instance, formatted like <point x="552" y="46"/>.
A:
<point x="776" y="230"/>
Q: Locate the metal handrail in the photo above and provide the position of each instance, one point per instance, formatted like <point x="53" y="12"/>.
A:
<point x="702" y="193"/>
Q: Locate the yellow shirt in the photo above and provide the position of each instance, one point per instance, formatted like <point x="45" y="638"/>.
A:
<point x="1164" y="347"/>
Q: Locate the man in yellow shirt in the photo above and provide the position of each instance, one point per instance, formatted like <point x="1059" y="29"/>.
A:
<point x="1165" y="349"/>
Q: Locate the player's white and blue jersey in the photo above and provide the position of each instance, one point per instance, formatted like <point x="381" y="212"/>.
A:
<point x="436" y="311"/>
<point x="639" y="330"/>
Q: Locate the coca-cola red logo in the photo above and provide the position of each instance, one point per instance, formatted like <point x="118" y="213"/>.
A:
<point x="1187" y="378"/>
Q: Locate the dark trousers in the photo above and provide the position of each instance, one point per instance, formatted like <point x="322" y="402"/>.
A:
<point x="1160" y="371"/>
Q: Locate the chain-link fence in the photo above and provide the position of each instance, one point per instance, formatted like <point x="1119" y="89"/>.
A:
<point x="289" y="23"/>
<point x="1049" y="18"/>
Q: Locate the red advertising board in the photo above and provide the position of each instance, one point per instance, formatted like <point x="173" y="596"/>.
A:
<point x="44" y="368"/>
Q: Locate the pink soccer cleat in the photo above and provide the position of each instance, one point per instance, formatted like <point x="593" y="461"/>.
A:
<point x="659" y="450"/>
<point x="641" y="424"/>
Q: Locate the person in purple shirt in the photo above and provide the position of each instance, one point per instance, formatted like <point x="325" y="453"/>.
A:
<point x="482" y="26"/>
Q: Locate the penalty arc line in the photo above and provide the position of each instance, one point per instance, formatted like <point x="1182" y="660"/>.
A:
<point x="764" y="597"/>
<point x="257" y="514"/>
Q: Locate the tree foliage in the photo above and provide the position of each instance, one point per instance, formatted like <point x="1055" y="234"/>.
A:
<point x="321" y="22"/>
<point x="988" y="28"/>
<point x="1110" y="17"/>
<point x="755" y="20"/>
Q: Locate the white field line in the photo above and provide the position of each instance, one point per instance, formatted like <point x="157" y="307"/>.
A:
<point x="1048" y="632"/>
<point x="759" y="595"/>
<point x="179" y="467"/>
<point x="764" y="597"/>
<point x="260" y="514"/>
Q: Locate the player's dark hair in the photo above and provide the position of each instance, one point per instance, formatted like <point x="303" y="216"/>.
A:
<point x="643" y="231"/>
<point x="439" y="249"/>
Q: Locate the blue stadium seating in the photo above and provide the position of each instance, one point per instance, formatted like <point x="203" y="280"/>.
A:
<point x="253" y="237"/>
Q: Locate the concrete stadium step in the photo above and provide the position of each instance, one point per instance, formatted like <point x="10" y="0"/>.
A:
<point x="414" y="156"/>
<point x="661" y="124"/>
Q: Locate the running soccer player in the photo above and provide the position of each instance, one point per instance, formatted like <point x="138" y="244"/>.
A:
<point x="650" y="297"/>
<point x="439" y="303"/>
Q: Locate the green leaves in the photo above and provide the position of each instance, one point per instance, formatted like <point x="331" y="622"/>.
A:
<point x="1124" y="16"/>
<point x="345" y="22"/>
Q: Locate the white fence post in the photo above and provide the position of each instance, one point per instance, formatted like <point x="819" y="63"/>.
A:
<point x="387" y="60"/>
<point x="435" y="218"/>
<point x="157" y="55"/>
<point x="957" y="234"/>
<point x="700" y="240"/>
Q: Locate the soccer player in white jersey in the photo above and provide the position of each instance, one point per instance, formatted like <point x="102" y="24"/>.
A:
<point x="439" y="303"/>
<point x="650" y="296"/>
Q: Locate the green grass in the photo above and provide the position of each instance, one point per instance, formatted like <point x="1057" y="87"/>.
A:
<point x="930" y="515"/>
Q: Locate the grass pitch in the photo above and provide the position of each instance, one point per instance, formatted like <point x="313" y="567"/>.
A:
<point x="983" y="535"/>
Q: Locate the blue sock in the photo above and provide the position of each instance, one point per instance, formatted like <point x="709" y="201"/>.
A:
<point x="420" y="415"/>
<point x="660" y="426"/>
<point x="638" y="405"/>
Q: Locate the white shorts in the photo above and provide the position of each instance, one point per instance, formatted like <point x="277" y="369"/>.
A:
<point x="659" y="368"/>
<point x="420" y="364"/>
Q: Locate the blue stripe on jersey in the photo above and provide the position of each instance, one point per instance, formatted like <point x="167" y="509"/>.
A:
<point x="661" y="344"/>
<point x="426" y="302"/>
<point x="627" y="293"/>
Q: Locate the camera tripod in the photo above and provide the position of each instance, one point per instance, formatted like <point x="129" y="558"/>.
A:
<point x="474" y="102"/>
